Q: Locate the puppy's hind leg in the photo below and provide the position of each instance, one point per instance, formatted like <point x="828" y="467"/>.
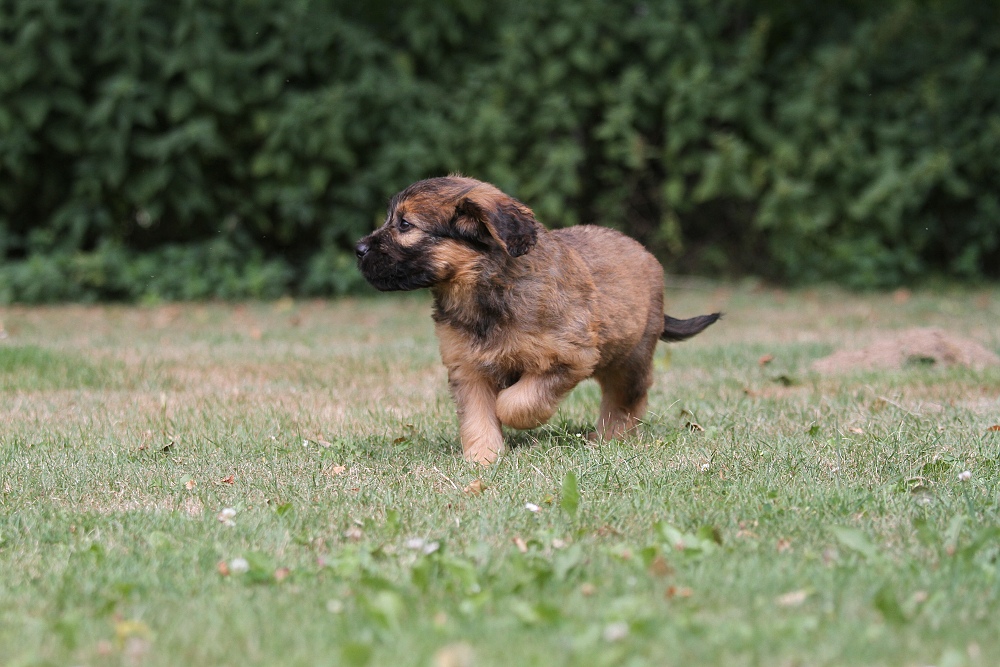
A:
<point x="624" y="393"/>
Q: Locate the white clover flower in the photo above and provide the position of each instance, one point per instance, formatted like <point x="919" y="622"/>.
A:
<point x="965" y="476"/>
<point x="615" y="632"/>
<point x="705" y="467"/>
<point x="227" y="515"/>
<point x="239" y="566"/>
<point x="532" y="507"/>
<point x="422" y="545"/>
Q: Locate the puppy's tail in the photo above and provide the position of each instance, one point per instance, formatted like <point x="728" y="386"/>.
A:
<point x="675" y="330"/>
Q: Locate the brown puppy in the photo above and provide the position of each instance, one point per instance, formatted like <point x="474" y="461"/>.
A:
<point x="524" y="314"/>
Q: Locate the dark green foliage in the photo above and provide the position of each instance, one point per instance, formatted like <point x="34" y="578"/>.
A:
<point x="232" y="149"/>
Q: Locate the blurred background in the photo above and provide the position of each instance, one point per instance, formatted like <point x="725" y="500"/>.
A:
<point x="233" y="149"/>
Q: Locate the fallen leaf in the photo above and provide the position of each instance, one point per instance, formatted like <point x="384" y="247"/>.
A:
<point x="126" y="629"/>
<point x="856" y="430"/>
<point x="223" y="568"/>
<point x="679" y="592"/>
<point x="474" y="488"/>
<point x="659" y="567"/>
<point x="324" y="443"/>
<point x="694" y="426"/>
<point x="784" y="545"/>
<point x="607" y="531"/>
<point x="765" y="360"/>
<point x="167" y="447"/>
<point x="521" y="545"/>
<point x="458" y="654"/>
<point x="190" y="484"/>
<point x="281" y="574"/>
<point x="792" y="599"/>
<point x="231" y="479"/>
<point x="995" y="428"/>
<point x="335" y="470"/>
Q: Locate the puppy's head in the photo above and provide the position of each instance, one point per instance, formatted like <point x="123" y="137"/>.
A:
<point x="441" y="228"/>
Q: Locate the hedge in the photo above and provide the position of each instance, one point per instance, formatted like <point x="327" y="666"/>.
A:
<point x="237" y="148"/>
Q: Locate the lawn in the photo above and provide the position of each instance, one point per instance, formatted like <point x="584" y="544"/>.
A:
<point x="281" y="483"/>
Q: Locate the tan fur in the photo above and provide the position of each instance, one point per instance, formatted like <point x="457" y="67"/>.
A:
<point x="523" y="314"/>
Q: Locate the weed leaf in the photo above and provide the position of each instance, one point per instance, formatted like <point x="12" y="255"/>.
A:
<point x="855" y="540"/>
<point x="356" y="654"/>
<point x="886" y="603"/>
<point x="570" y="500"/>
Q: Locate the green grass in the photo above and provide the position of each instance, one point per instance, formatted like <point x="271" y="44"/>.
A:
<point x="815" y="520"/>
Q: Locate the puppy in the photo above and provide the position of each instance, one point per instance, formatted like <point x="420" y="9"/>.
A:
<point x="524" y="314"/>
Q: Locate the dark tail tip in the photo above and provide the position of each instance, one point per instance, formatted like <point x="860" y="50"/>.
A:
<point x="675" y="330"/>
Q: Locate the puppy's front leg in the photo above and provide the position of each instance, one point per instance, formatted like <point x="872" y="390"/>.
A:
<point x="478" y="425"/>
<point x="533" y="399"/>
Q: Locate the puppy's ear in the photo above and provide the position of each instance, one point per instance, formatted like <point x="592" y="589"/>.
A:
<point x="509" y="222"/>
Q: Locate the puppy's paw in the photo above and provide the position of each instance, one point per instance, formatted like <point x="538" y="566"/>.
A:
<point x="483" y="455"/>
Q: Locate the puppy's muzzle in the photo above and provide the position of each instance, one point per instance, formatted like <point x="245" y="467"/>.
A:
<point x="362" y="248"/>
<point x="389" y="268"/>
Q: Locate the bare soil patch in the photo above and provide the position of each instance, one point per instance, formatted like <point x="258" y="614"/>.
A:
<point x="929" y="346"/>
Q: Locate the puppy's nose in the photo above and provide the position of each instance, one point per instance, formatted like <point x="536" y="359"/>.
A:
<point x="362" y="248"/>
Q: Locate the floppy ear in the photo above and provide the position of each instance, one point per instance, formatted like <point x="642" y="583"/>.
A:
<point x="508" y="221"/>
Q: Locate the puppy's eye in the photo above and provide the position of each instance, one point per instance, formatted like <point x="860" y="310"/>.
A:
<point x="404" y="224"/>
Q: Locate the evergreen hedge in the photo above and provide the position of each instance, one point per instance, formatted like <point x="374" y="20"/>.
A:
<point x="235" y="148"/>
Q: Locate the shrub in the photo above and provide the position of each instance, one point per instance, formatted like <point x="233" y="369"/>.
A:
<point x="252" y="142"/>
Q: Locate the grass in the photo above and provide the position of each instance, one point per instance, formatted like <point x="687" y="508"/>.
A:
<point x="765" y="515"/>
